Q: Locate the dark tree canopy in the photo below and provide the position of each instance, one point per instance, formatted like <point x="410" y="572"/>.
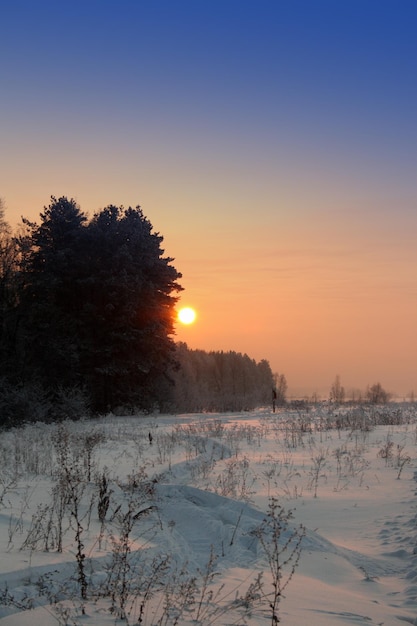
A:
<point x="95" y="306"/>
<point x="129" y="313"/>
<point x="51" y="257"/>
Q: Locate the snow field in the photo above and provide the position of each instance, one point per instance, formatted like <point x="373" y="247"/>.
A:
<point x="167" y="530"/>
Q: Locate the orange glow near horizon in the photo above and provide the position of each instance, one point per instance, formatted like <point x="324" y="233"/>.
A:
<point x="338" y="303"/>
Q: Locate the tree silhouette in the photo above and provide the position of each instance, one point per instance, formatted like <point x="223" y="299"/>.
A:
<point x="96" y="305"/>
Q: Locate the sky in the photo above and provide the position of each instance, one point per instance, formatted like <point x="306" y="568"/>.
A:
<point x="273" y="144"/>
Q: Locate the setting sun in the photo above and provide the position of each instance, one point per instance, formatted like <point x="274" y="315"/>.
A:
<point x="186" y="315"/>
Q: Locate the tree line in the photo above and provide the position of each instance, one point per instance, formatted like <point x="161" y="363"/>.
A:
<point x="87" y="320"/>
<point x="221" y="381"/>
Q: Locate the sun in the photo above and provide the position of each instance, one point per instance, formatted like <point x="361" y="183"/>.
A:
<point x="187" y="315"/>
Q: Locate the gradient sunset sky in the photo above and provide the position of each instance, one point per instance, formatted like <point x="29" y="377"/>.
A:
<point x="273" y="143"/>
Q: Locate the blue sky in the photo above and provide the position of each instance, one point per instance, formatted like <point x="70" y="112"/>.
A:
<point x="273" y="144"/>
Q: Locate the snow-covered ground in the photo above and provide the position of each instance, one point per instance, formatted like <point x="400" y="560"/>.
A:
<point x="163" y="520"/>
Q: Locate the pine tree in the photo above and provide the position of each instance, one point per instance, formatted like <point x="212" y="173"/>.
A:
<point x="51" y="260"/>
<point x="128" y="315"/>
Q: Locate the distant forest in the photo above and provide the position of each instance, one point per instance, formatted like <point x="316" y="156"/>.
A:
<point x="221" y="381"/>
<point x="87" y="317"/>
